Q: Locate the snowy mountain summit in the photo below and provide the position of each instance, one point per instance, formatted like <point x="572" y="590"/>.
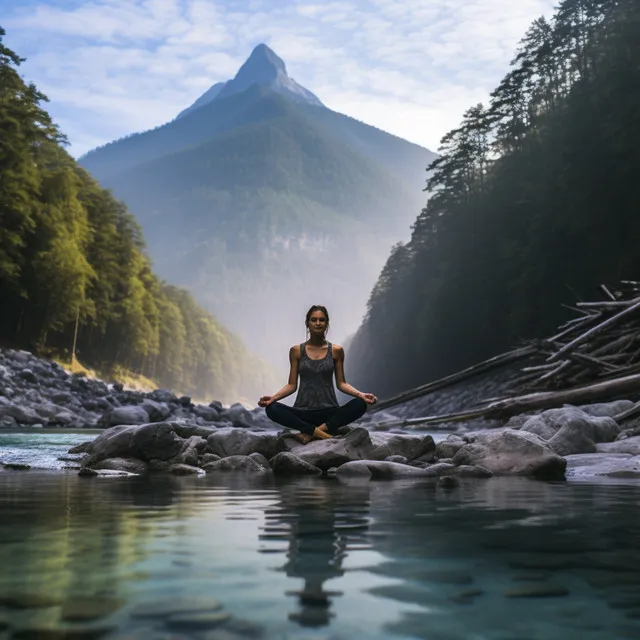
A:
<point x="263" y="68"/>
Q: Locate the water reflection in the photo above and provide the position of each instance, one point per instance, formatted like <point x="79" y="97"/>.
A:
<point x="498" y="559"/>
<point x="320" y="522"/>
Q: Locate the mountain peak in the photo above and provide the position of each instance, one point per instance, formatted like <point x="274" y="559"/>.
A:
<point x="264" y="60"/>
<point x="263" y="68"/>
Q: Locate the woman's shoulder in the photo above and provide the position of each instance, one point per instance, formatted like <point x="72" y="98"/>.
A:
<point x="337" y="349"/>
<point x="295" y="350"/>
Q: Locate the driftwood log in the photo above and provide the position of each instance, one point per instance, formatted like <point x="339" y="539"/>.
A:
<point x="591" y="358"/>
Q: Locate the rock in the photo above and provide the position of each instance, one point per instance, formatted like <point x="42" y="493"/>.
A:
<point x="146" y="442"/>
<point x="511" y="452"/>
<point x="85" y="608"/>
<point x="166" y="607"/>
<point x="410" y="447"/>
<point x="472" y="471"/>
<point x="333" y="452"/>
<point x="379" y="470"/>
<point x="184" y="470"/>
<point x="22" y="415"/>
<point x="261" y="460"/>
<point x="210" y="457"/>
<point x="449" y="447"/>
<point x="16" y="466"/>
<point x="235" y="463"/>
<point x="162" y="395"/>
<point x="191" y="451"/>
<point x="28" y="376"/>
<point x="195" y="621"/>
<point x="209" y="414"/>
<point x="288" y="464"/>
<point x="628" y="445"/>
<point x="397" y="459"/>
<point x="130" y="465"/>
<point x="232" y="441"/>
<point x="441" y="468"/>
<point x="606" y="409"/>
<point x="570" y="430"/>
<point x="124" y="415"/>
<point x="156" y="411"/>
<point x="358" y="469"/>
<point x="237" y="415"/>
<point x="613" y="465"/>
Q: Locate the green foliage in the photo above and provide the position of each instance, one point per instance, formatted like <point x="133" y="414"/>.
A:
<point x="533" y="201"/>
<point x="69" y="251"/>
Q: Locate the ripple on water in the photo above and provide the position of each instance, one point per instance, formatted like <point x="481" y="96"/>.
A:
<point x="224" y="558"/>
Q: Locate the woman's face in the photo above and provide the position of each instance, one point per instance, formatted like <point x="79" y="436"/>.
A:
<point x="317" y="323"/>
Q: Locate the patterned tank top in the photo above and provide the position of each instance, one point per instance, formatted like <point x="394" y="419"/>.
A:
<point x="316" y="381"/>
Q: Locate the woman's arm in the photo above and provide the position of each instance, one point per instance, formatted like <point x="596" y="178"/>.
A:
<point x="342" y="384"/>
<point x="291" y="386"/>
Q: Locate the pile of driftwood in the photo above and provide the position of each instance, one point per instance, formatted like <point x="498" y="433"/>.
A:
<point x="602" y="343"/>
<point x="591" y="358"/>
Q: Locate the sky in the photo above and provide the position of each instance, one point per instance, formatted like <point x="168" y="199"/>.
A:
<point x="409" y="67"/>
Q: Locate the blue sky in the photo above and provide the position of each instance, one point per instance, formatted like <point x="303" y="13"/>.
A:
<point x="411" y="67"/>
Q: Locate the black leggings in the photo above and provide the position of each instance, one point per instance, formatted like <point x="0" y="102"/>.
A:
<point x="306" y="420"/>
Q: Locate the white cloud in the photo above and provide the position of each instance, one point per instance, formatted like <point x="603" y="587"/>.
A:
<point x="411" y="67"/>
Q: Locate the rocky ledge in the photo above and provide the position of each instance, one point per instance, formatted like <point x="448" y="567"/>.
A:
<point x="539" y="446"/>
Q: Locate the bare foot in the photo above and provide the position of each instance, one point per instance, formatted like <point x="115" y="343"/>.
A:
<point x="302" y="437"/>
<point x="321" y="433"/>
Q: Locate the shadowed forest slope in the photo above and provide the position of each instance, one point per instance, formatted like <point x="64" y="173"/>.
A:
<point x="534" y="201"/>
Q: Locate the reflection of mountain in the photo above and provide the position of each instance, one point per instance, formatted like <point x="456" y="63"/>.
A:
<point x="320" y="522"/>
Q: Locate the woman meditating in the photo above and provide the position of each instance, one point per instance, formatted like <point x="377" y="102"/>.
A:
<point x="316" y="412"/>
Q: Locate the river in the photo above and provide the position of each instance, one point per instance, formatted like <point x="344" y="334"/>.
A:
<point x="222" y="557"/>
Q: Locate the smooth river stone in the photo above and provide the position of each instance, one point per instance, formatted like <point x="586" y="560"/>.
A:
<point x="175" y="606"/>
<point x="198" y="620"/>
<point x="89" y="608"/>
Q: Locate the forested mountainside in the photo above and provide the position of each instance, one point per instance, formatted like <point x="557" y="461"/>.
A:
<point x="261" y="201"/>
<point x="534" y="202"/>
<point x="70" y="253"/>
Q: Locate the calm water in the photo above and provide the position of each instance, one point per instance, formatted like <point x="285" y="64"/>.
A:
<point x="224" y="558"/>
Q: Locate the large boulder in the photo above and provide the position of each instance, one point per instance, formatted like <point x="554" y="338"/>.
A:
<point x="154" y="441"/>
<point x="570" y="430"/>
<point x="511" y="452"/>
<point x="241" y="442"/>
<point x="332" y="452"/>
<point x="408" y="446"/>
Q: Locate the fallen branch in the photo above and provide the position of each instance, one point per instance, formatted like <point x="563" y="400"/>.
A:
<point x="551" y="399"/>
<point x="483" y="367"/>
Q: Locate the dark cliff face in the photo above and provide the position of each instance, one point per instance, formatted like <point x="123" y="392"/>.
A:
<point x="263" y="200"/>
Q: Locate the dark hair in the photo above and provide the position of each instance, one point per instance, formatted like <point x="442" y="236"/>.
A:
<point x="316" y="307"/>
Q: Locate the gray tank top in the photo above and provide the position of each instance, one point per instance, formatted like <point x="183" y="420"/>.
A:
<point x="316" y="381"/>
